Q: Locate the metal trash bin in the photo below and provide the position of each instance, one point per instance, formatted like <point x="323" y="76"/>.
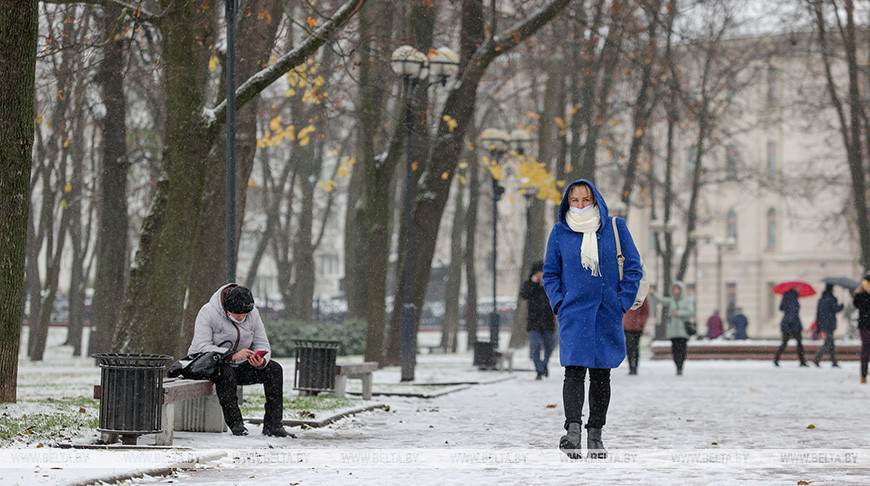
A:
<point x="131" y="398"/>
<point x="484" y="355"/>
<point x="315" y="366"/>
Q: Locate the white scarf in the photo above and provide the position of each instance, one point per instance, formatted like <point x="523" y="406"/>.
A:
<point x="586" y="221"/>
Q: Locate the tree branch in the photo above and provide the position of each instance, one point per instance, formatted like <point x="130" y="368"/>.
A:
<point x="136" y="11"/>
<point x="500" y="44"/>
<point x="261" y="80"/>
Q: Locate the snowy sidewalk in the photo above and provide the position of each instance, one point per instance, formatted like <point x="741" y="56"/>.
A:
<point x="722" y="422"/>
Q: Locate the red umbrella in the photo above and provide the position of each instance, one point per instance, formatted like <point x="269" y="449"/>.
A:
<point x="803" y="289"/>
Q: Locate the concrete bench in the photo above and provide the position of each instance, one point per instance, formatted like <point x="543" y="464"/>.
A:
<point x="362" y="371"/>
<point x="503" y="358"/>
<point x="188" y="405"/>
<point x="437" y="349"/>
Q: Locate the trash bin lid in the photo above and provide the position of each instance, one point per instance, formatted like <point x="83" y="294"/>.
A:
<point x="313" y="343"/>
<point x="132" y="359"/>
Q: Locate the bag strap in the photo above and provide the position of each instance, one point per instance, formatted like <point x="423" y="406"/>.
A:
<point x="620" y="258"/>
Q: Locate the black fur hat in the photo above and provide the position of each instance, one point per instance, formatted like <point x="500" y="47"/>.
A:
<point x="239" y="300"/>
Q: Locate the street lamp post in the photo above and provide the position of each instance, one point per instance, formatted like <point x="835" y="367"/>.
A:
<point x="500" y="142"/>
<point x="415" y="67"/>
<point x="230" y="11"/>
<point x="497" y="142"/>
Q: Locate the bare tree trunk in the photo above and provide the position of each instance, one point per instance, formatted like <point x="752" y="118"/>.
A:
<point x="643" y="106"/>
<point x="75" y="322"/>
<point x="450" y="323"/>
<point x="471" y="322"/>
<point x="18" y="65"/>
<point x="367" y="244"/>
<point x="851" y="127"/>
<point x="161" y="270"/>
<point x="112" y="240"/>
<point x="256" y="36"/>
<point x="459" y="106"/>
<point x="536" y="223"/>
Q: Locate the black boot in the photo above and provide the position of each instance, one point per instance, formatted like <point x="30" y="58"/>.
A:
<point x="570" y="442"/>
<point x="276" y="431"/>
<point x="594" y="445"/>
<point x="238" y="428"/>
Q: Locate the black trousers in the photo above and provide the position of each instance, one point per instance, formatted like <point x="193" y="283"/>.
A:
<point x="272" y="378"/>
<point x="574" y="393"/>
<point x="827" y="347"/>
<point x="632" y="348"/>
<point x="800" y="347"/>
<point x="678" y="351"/>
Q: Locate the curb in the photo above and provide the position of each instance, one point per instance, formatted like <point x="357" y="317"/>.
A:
<point x="157" y="471"/>
<point x="325" y="421"/>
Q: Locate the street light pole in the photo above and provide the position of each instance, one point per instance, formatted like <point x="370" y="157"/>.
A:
<point x="231" y="9"/>
<point x="409" y="311"/>
<point x="414" y="67"/>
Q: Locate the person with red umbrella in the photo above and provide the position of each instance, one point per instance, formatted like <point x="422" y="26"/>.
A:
<point x="791" y="325"/>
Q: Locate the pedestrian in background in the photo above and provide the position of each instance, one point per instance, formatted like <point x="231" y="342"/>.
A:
<point x="739" y="322"/>
<point x="862" y="303"/>
<point x="714" y="325"/>
<point x="540" y="322"/>
<point x="681" y="309"/>
<point x="581" y="277"/>
<point x="790" y="326"/>
<point x="633" y="323"/>
<point x="826" y="322"/>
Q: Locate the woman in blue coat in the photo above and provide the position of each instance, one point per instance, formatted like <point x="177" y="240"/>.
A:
<point x="581" y="278"/>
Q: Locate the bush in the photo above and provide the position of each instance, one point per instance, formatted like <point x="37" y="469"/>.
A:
<point x="282" y="333"/>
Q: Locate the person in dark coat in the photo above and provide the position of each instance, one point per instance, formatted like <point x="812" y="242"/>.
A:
<point x="632" y="324"/>
<point x="861" y="302"/>
<point x="826" y="321"/>
<point x="581" y="277"/>
<point x="791" y="325"/>
<point x="714" y="325"/>
<point x="739" y="322"/>
<point x="540" y="322"/>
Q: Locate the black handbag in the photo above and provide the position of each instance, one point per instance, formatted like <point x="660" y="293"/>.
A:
<point x="201" y="366"/>
<point x="691" y="330"/>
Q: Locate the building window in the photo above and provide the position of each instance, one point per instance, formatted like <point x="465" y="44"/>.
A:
<point x="328" y="265"/>
<point x="731" y="158"/>
<point x="771" y="300"/>
<point x="772" y="86"/>
<point x="731" y="222"/>
<point x="771" y="229"/>
<point x="771" y="157"/>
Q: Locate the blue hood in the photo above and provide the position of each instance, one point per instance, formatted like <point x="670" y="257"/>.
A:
<point x="599" y="201"/>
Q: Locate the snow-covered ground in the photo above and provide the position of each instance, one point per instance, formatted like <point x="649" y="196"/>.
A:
<point x="722" y="422"/>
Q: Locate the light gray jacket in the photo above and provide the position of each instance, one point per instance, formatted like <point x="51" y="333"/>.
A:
<point x="213" y="326"/>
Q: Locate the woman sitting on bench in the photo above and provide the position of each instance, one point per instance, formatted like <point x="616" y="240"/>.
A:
<point x="230" y="315"/>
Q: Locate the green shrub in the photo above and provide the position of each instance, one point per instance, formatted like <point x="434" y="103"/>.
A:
<point x="282" y="333"/>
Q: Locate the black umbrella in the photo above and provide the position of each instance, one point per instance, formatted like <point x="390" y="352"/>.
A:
<point x="842" y="282"/>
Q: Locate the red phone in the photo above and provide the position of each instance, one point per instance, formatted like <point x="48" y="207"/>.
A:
<point x="260" y="353"/>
